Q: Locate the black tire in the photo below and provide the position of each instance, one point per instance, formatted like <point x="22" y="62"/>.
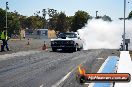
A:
<point x="54" y="49"/>
<point x="75" y="49"/>
<point x="79" y="49"/>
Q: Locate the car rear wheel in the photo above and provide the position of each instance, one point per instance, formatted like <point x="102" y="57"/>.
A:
<point x="75" y="49"/>
<point x="79" y="49"/>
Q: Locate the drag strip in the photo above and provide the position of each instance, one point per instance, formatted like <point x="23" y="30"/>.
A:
<point x="45" y="69"/>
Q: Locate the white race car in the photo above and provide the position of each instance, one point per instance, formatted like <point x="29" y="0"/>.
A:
<point x="67" y="41"/>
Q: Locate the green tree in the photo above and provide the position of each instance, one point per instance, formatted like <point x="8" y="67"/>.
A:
<point x="130" y="15"/>
<point x="34" y="22"/>
<point x="22" y="20"/>
<point x="44" y="12"/>
<point x="69" y="23"/>
<point x="43" y="18"/>
<point x="61" y="22"/>
<point x="106" y="18"/>
<point x="79" y="20"/>
<point x="2" y="19"/>
<point x="52" y="21"/>
<point x="13" y="23"/>
<point x="52" y="12"/>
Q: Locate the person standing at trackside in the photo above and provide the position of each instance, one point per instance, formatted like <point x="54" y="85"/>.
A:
<point x="4" y="39"/>
<point x="121" y="49"/>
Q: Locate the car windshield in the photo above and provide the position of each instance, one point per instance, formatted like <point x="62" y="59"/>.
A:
<point x="69" y="35"/>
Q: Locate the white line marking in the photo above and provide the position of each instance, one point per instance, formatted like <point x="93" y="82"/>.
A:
<point x="62" y="80"/>
<point x="41" y="85"/>
<point x="66" y="76"/>
<point x="101" y="68"/>
<point x="99" y="71"/>
<point x="100" y="58"/>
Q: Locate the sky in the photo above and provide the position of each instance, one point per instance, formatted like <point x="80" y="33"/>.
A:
<point x="112" y="8"/>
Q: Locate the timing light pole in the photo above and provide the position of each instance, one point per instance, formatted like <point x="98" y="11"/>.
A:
<point x="6" y="15"/>
<point x="124" y="25"/>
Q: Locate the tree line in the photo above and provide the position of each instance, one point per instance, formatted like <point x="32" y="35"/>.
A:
<point x="47" y="18"/>
<point x="57" y="21"/>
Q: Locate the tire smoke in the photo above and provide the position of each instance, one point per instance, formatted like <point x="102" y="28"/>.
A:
<point x="99" y="34"/>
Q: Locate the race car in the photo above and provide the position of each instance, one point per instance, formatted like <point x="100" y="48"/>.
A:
<point x="67" y="42"/>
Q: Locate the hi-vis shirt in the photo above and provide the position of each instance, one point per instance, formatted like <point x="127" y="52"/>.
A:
<point x="3" y="36"/>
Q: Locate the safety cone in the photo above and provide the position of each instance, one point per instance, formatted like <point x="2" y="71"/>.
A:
<point x="44" y="47"/>
<point x="28" y="42"/>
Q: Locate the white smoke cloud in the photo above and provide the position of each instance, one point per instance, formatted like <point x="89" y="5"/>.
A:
<point x="99" y="34"/>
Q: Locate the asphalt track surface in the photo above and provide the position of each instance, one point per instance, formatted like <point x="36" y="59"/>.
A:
<point x="49" y="69"/>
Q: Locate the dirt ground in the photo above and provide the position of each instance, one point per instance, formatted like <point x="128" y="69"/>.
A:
<point x="21" y="45"/>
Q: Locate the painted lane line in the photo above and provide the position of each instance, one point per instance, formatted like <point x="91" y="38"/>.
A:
<point x="104" y="66"/>
<point x="99" y="71"/>
<point x="67" y="75"/>
<point x="100" y="58"/>
<point x="41" y="85"/>
<point x="62" y="80"/>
